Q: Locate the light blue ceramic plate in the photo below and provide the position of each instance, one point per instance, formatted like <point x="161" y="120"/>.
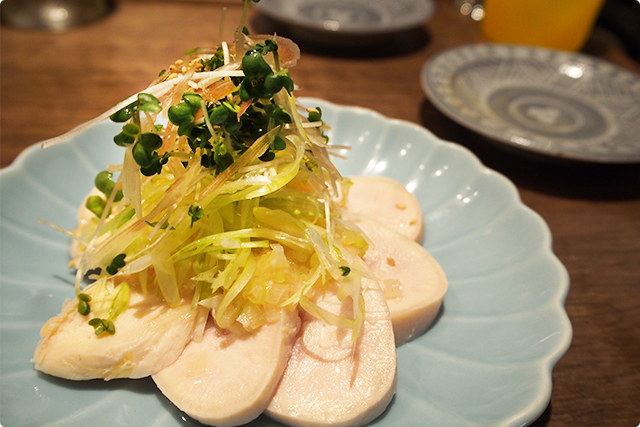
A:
<point x="487" y="361"/>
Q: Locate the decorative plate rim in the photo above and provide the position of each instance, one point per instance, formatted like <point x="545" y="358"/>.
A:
<point x="440" y="95"/>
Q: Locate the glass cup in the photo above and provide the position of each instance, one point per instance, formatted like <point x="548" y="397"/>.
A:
<point x="558" y="24"/>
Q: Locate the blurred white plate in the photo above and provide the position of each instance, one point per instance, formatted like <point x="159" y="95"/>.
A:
<point x="349" y="17"/>
<point x="486" y="361"/>
<point x="554" y="103"/>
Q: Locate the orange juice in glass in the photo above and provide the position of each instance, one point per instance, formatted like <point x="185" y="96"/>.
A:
<point x="558" y="24"/>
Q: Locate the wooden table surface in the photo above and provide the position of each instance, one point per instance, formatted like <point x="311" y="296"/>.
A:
<point x="52" y="82"/>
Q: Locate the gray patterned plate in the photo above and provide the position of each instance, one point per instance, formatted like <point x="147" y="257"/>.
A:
<point x="352" y="17"/>
<point x="549" y="102"/>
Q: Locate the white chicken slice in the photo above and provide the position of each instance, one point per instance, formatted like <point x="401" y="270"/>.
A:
<point x="332" y="381"/>
<point x="228" y="380"/>
<point x="149" y="336"/>
<point x="402" y="263"/>
<point x="387" y="201"/>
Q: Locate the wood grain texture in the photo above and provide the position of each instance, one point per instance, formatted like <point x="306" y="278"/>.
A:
<point x="51" y="82"/>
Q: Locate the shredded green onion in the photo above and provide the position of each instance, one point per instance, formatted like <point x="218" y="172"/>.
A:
<point x="227" y="205"/>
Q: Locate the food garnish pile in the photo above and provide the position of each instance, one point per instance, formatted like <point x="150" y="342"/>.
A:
<point x="228" y="259"/>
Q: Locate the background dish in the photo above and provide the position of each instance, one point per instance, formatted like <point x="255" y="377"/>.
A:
<point x="346" y="22"/>
<point x="486" y="362"/>
<point x="350" y="16"/>
<point x="554" y="103"/>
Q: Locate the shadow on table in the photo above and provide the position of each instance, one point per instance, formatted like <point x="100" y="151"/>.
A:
<point x="564" y="178"/>
<point x="324" y="43"/>
<point x="543" y="421"/>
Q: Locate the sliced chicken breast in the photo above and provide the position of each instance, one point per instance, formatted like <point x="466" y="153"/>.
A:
<point x="228" y="380"/>
<point x="332" y="381"/>
<point x="149" y="336"/>
<point x="419" y="280"/>
<point x="388" y="202"/>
